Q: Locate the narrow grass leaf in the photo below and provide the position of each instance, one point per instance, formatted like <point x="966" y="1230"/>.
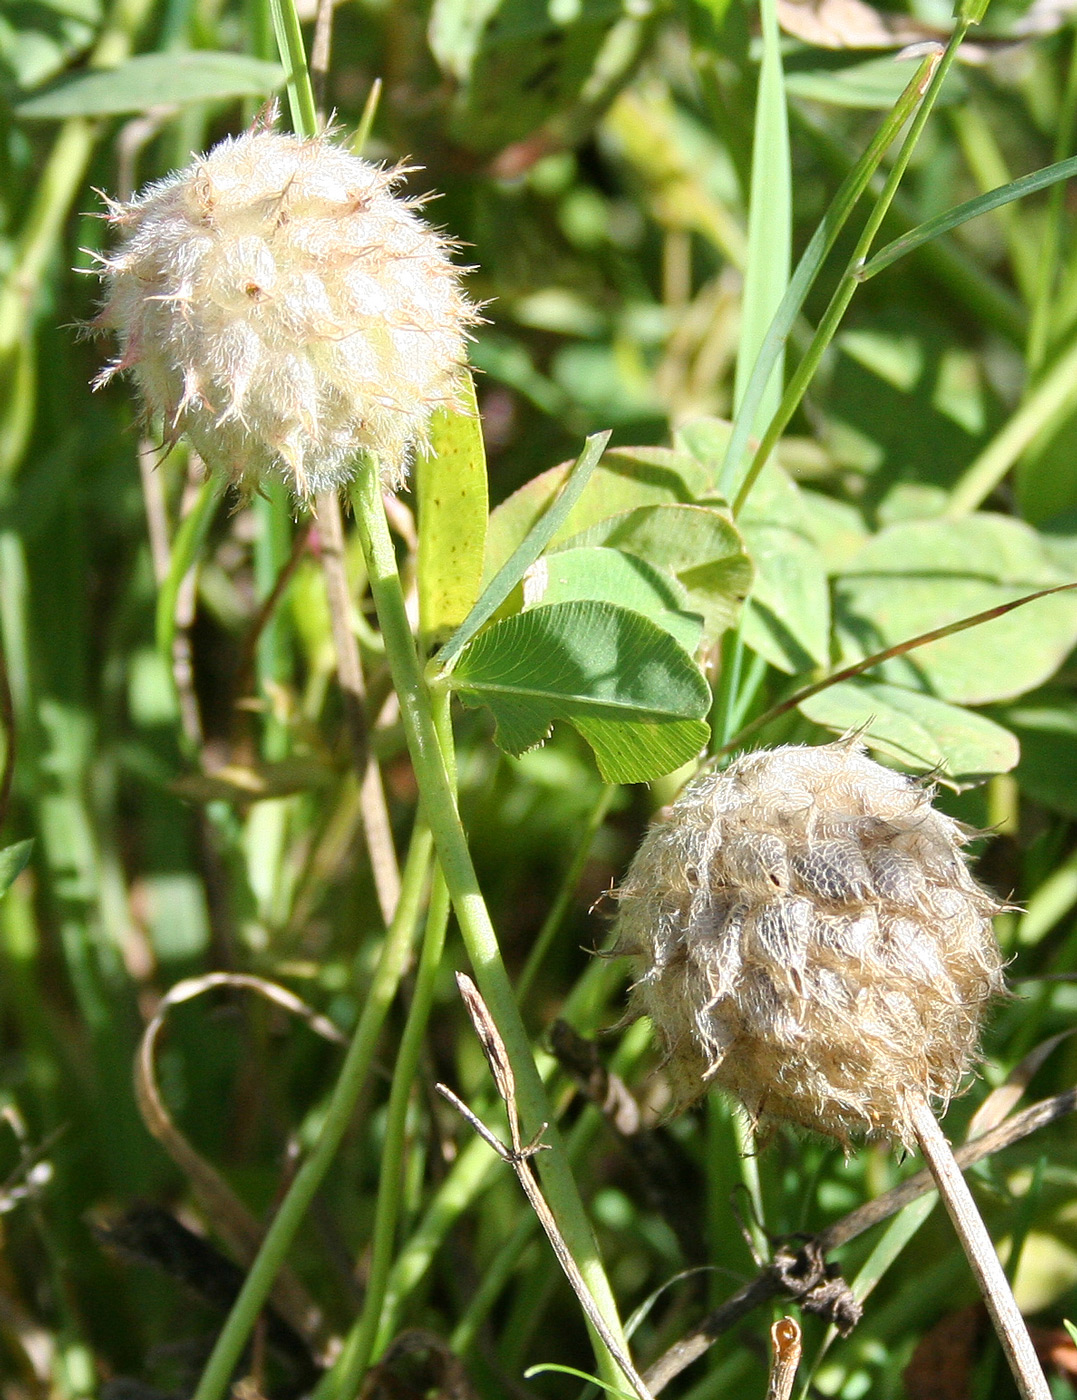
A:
<point x="450" y="485"/>
<point x="807" y="270"/>
<point x="529" y="549"/>
<point x="769" y="222"/>
<point x="615" y="675"/>
<point x="580" y="1376"/>
<point x="155" y="80"/>
<point x="293" y="55"/>
<point x="186" y="547"/>
<point x="962" y="213"/>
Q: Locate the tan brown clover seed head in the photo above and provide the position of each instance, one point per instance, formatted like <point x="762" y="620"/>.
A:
<point x="808" y="936"/>
<point x="284" y="309"/>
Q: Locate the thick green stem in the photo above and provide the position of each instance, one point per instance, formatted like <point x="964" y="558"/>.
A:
<point x="439" y="807"/>
<point x="229" y="1348"/>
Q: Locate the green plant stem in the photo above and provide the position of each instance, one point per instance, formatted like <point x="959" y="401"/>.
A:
<point x="1052" y="397"/>
<point x="217" y="1376"/>
<point x="559" y="908"/>
<point x="476" y="1166"/>
<point x="579" y="1142"/>
<point x="850" y="280"/>
<point x="346" y="1376"/>
<point x="439" y="806"/>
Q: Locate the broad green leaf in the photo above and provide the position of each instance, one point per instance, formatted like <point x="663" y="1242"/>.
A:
<point x="450" y="485"/>
<point x="922" y="733"/>
<point x="609" y="576"/>
<point x="788" y="620"/>
<point x="914" y="577"/>
<point x="837" y="528"/>
<point x="698" y="545"/>
<point x="536" y="538"/>
<point x="615" y="675"/>
<point x="627" y="477"/>
<point x="13" y="861"/>
<point x="638" y="751"/>
<point x="155" y="80"/>
<point x="1047" y="731"/>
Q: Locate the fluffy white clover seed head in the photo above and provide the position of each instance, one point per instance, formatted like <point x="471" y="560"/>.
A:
<point x="807" y="935"/>
<point x="278" y="304"/>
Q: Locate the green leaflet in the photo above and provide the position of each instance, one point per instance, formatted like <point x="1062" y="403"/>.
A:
<point x="608" y="575"/>
<point x="450" y="484"/>
<point x="154" y="80"/>
<point x="698" y="545"/>
<point x="916" y="576"/>
<point x="533" y="541"/>
<point x="616" y="676"/>
<point x="922" y="733"/>
<point x="626" y="477"/>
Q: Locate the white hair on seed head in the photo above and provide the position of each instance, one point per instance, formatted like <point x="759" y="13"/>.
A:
<point x="278" y="304"/>
<point x="807" y="935"/>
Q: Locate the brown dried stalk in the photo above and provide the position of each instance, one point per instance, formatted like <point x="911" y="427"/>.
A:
<point x="518" y="1156"/>
<point x="769" y="1283"/>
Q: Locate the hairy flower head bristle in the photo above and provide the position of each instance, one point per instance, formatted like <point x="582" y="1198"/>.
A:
<point x="279" y="304"/>
<point x="808" y="936"/>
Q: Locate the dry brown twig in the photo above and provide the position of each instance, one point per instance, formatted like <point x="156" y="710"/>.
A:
<point x="768" y="1284"/>
<point x="518" y="1156"/>
<point x="785" y="1358"/>
<point x="230" y="1218"/>
<point x="374" y="812"/>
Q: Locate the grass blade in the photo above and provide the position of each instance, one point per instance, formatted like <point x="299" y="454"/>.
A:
<point x="808" y="269"/>
<point x="847" y="286"/>
<point x="186" y="547"/>
<point x="769" y="221"/>
<point x="962" y="213"/>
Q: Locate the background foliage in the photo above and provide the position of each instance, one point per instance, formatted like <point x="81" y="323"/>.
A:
<point x="620" y="176"/>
